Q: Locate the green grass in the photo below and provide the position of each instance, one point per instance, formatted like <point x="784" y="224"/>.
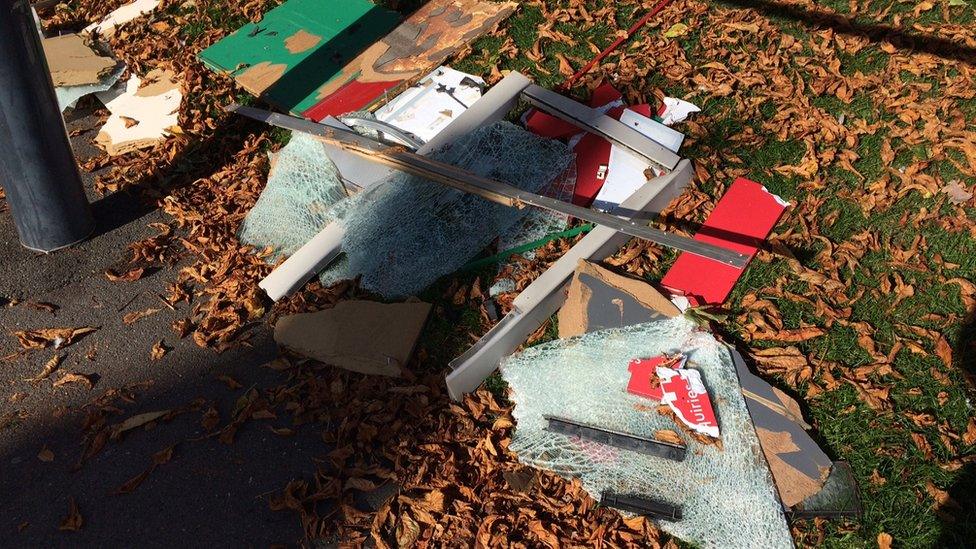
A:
<point x="849" y="429"/>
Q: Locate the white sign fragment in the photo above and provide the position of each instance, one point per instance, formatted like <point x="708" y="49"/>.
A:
<point x="676" y="110"/>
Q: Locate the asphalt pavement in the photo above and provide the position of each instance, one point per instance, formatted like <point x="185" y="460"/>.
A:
<point x="209" y="493"/>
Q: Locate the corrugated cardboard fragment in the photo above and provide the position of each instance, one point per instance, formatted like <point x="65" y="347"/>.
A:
<point x="362" y="336"/>
<point x="133" y="10"/>
<point x="73" y="62"/>
<point x="142" y="115"/>
<point x="600" y="299"/>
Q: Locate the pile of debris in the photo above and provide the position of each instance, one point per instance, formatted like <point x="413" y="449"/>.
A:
<point x="637" y="398"/>
<point x="402" y="171"/>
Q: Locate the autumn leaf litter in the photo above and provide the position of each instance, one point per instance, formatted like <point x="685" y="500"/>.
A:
<point x="455" y="479"/>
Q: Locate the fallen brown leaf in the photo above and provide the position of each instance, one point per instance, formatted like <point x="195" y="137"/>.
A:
<point x="49" y="367"/>
<point x="545" y="536"/>
<point x="159" y="458"/>
<point x="59" y="337"/>
<point x="969" y="437"/>
<point x="877" y="479"/>
<point x="923" y="445"/>
<point x="73" y="522"/>
<point x="231" y="383"/>
<point x="668" y="435"/>
<point x="45" y="455"/>
<point x="42" y="306"/>
<point x="136" y="421"/>
<point x="139" y="315"/>
<point x="128" y="276"/>
<point x="158" y="350"/>
<point x="88" y="380"/>
<point x="407" y="531"/>
<point x="210" y="419"/>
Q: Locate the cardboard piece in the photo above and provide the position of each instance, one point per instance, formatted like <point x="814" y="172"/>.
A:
<point x="361" y="336"/>
<point x="68" y="96"/>
<point x="298" y="46"/>
<point x="798" y="465"/>
<point x="133" y="10"/>
<point x="741" y="220"/>
<point x="73" y="62"/>
<point x="421" y="43"/>
<point x="599" y="299"/>
<point x="683" y="391"/>
<point x="141" y="115"/>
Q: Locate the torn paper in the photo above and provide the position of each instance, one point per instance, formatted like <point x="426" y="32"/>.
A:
<point x="676" y="110"/>
<point x="683" y="391"/>
<point x="643" y="374"/>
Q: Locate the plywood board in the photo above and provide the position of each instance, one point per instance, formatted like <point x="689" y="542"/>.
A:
<point x="297" y="47"/>
<point x="421" y="43"/>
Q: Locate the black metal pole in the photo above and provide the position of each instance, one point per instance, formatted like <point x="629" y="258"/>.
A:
<point x="37" y="168"/>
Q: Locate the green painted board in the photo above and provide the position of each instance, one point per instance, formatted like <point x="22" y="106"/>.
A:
<point x="297" y="47"/>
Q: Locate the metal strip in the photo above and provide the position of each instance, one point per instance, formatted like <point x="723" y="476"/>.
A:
<point x="641" y="505"/>
<point x="489" y="189"/>
<point x="617" y="439"/>
<point x="594" y="121"/>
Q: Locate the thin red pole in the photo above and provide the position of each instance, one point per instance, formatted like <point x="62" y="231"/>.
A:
<point x="616" y="44"/>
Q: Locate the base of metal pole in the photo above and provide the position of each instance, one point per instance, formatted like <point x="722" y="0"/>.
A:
<point x="37" y="167"/>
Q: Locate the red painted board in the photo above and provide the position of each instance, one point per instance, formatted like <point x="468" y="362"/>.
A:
<point x="546" y="125"/>
<point x="592" y="155"/>
<point x="741" y="220"/>
<point x="352" y="96"/>
<point x="604" y="94"/>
